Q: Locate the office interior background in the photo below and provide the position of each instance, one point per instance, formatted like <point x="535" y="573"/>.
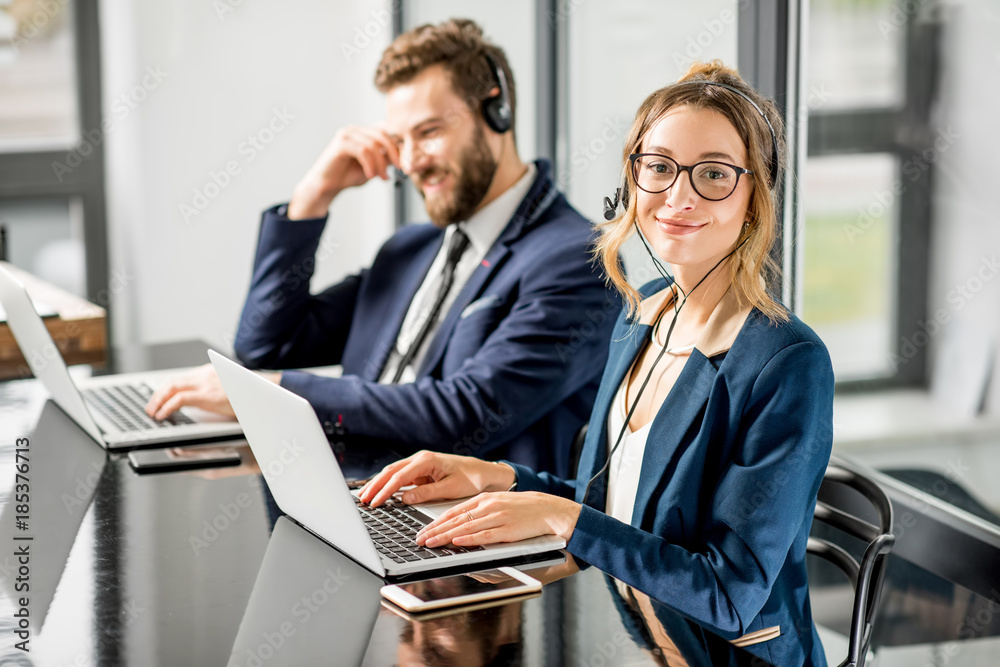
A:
<point x="139" y="143"/>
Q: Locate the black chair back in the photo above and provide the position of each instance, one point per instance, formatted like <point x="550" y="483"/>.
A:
<point x="856" y="505"/>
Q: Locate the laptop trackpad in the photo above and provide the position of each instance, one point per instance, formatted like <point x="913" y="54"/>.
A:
<point x="437" y="509"/>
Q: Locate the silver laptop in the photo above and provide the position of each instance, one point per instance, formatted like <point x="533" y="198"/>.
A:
<point x="306" y="481"/>
<point x="108" y="408"/>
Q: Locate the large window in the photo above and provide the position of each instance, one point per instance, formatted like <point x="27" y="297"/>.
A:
<point x="865" y="187"/>
<point x="52" y="201"/>
<point x="37" y="76"/>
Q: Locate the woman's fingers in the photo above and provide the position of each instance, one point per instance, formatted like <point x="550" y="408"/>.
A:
<point x="448" y="520"/>
<point x="463" y="526"/>
<point x="486" y="516"/>
<point x="427" y="490"/>
<point x="405" y="476"/>
<point x="436" y="476"/>
<point x="491" y="529"/>
<point x="419" y="468"/>
<point x="501" y="517"/>
<point x="453" y="512"/>
<point x="378" y="481"/>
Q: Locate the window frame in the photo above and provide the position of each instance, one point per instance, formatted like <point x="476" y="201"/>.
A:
<point x="901" y="132"/>
<point x="28" y="174"/>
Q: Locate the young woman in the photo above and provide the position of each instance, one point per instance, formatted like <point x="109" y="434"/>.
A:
<point x="713" y="426"/>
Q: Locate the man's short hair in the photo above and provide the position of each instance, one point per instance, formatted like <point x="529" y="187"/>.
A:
<point x="456" y="44"/>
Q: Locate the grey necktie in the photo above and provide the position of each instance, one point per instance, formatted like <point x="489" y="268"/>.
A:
<point x="459" y="243"/>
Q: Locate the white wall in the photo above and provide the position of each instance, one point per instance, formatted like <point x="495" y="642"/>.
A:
<point x="224" y="68"/>
<point x="965" y="241"/>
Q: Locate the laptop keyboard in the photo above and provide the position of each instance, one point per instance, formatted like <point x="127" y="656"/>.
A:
<point x="393" y="528"/>
<point x="124" y="406"/>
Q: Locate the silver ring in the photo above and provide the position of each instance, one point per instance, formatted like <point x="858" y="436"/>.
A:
<point x="469" y="514"/>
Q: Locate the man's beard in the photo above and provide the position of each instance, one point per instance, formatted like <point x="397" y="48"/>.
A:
<point x="475" y="174"/>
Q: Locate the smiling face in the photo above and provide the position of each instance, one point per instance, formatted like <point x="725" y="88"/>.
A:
<point x="687" y="231"/>
<point x="443" y="147"/>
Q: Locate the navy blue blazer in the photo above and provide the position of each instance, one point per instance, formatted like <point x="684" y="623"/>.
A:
<point x="513" y="369"/>
<point x="733" y="462"/>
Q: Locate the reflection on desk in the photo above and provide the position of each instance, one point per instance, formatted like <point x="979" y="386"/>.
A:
<point x="312" y="605"/>
<point x="309" y="604"/>
<point x="165" y="569"/>
<point x="77" y="472"/>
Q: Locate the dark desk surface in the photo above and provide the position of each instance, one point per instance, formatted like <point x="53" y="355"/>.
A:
<point x="186" y="569"/>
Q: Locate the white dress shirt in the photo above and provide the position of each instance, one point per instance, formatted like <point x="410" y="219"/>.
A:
<point x="483" y="228"/>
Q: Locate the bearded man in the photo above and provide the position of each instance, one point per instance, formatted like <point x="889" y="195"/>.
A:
<point x="484" y="332"/>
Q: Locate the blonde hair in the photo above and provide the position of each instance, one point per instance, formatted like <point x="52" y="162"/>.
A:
<point x="751" y="266"/>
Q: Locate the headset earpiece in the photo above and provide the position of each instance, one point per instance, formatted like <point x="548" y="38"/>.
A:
<point x="496" y="109"/>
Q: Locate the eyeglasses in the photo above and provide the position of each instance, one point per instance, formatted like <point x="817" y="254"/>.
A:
<point x="714" y="181"/>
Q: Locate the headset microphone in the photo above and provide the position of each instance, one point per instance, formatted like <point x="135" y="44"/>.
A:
<point x="611" y="206"/>
<point x="398" y="177"/>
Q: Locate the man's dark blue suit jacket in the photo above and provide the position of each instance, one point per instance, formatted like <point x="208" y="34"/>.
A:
<point x="513" y="369"/>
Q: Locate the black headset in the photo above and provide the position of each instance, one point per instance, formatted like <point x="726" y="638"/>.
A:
<point x="621" y="194"/>
<point x="496" y="108"/>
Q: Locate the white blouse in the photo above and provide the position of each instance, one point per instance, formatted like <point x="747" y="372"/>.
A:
<point x="626" y="463"/>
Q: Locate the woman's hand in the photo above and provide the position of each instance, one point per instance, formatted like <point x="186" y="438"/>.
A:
<point x="438" y="477"/>
<point x="502" y="517"/>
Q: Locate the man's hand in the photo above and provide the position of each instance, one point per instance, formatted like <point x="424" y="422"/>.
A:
<point x="356" y="155"/>
<point x="438" y="477"/>
<point x="200" y="389"/>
